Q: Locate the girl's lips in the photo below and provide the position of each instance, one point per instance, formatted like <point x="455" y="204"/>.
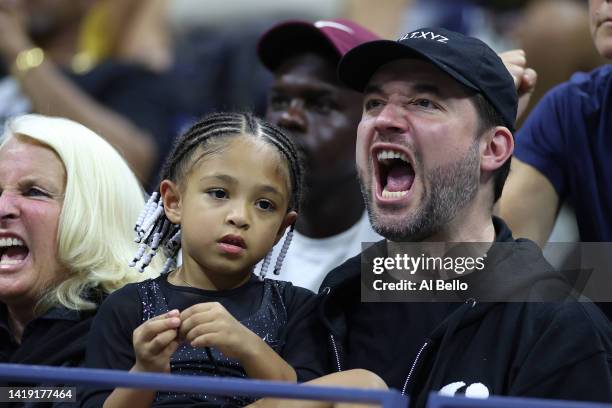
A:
<point x="232" y="244"/>
<point x="230" y="249"/>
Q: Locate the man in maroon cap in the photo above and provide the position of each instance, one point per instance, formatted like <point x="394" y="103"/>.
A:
<point x="321" y="114"/>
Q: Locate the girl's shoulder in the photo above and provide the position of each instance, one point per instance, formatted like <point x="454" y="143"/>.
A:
<point x="294" y="297"/>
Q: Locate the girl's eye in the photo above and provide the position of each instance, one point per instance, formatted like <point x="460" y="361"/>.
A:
<point x="217" y="193"/>
<point x="265" y="205"/>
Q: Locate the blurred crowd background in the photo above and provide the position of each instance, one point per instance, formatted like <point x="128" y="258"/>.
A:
<point x="199" y="56"/>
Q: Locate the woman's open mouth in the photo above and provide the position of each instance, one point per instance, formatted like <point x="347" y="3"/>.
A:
<point x="13" y="252"/>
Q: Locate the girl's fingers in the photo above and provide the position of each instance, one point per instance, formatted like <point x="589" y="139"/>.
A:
<point x="199" y="330"/>
<point x="149" y="329"/>
<point x="195" y="320"/>
<point x="198" y="308"/>
<point x="158" y="344"/>
<point x="171" y="348"/>
<point x="205" y="340"/>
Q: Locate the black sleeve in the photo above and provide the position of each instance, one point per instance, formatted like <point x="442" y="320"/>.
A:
<point x="571" y="359"/>
<point x="305" y="345"/>
<point x="110" y="338"/>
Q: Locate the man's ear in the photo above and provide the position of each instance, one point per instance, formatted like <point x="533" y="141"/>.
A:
<point x="171" y="196"/>
<point x="498" y="147"/>
<point x="289" y="219"/>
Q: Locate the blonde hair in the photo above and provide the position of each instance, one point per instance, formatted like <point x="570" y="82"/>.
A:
<point x="102" y="200"/>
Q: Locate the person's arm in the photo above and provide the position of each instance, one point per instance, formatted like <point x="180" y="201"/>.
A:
<point x="109" y="343"/>
<point x="51" y="93"/>
<point x="570" y="356"/>
<point x="211" y="325"/>
<point x="357" y="378"/>
<point x="154" y="343"/>
<point x="529" y="203"/>
<point x="304" y="339"/>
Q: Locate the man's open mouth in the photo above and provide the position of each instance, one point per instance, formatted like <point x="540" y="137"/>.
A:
<point x="13" y="251"/>
<point x="394" y="173"/>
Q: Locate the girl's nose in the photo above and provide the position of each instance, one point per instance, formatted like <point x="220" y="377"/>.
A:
<point x="238" y="218"/>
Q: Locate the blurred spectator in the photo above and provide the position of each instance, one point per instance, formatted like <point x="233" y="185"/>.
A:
<point x="51" y="73"/>
<point x="563" y="152"/>
<point x="321" y="115"/>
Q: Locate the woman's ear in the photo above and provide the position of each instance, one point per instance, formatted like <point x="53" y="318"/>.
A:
<point x="289" y="219"/>
<point x="498" y="148"/>
<point x="171" y="196"/>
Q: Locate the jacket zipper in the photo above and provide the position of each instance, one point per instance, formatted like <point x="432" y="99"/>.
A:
<point x="414" y="364"/>
<point x="333" y="343"/>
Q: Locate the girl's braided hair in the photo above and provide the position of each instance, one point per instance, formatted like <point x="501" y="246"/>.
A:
<point x="154" y="229"/>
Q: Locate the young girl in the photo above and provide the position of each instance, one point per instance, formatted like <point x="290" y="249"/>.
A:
<point x="230" y="188"/>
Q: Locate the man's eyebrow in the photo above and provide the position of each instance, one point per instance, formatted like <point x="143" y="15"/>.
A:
<point x="427" y="88"/>
<point x="372" y="89"/>
<point x="418" y="88"/>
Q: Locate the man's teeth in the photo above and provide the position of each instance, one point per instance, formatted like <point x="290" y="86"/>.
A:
<point x="393" y="194"/>
<point x="391" y="154"/>
<point x="9" y="242"/>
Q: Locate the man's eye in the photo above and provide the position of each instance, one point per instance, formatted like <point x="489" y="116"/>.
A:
<point x="323" y="106"/>
<point x="279" y="102"/>
<point x="372" y="104"/>
<point x="424" y="103"/>
<point x="217" y="193"/>
<point x="265" y="205"/>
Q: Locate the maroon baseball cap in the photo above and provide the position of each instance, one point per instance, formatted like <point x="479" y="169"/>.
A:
<point x="335" y="37"/>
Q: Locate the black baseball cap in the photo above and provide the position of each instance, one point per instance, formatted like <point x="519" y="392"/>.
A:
<point x="466" y="59"/>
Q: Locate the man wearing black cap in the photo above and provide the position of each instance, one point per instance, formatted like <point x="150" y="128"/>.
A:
<point x="433" y="150"/>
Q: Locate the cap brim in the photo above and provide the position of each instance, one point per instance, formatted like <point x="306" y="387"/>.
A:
<point x="359" y="64"/>
<point x="291" y="38"/>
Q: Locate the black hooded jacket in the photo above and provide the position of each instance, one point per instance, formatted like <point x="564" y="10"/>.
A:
<point x="554" y="349"/>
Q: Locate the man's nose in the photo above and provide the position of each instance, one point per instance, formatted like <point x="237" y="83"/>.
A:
<point x="391" y="119"/>
<point x="294" y="117"/>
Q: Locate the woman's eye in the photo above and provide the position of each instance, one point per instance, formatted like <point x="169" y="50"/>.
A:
<point x="217" y="193"/>
<point x="265" y="205"/>
<point x="36" y="192"/>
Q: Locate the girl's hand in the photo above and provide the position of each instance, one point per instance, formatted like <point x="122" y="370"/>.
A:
<point x="211" y="325"/>
<point x="155" y="341"/>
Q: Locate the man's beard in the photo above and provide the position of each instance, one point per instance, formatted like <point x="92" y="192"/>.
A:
<point x="452" y="185"/>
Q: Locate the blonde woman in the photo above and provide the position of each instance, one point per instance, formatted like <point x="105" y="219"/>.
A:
<point x="68" y="202"/>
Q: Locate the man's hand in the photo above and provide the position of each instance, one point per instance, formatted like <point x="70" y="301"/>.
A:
<point x="524" y="78"/>
<point x="211" y="325"/>
<point x="155" y="341"/>
<point x="13" y="33"/>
